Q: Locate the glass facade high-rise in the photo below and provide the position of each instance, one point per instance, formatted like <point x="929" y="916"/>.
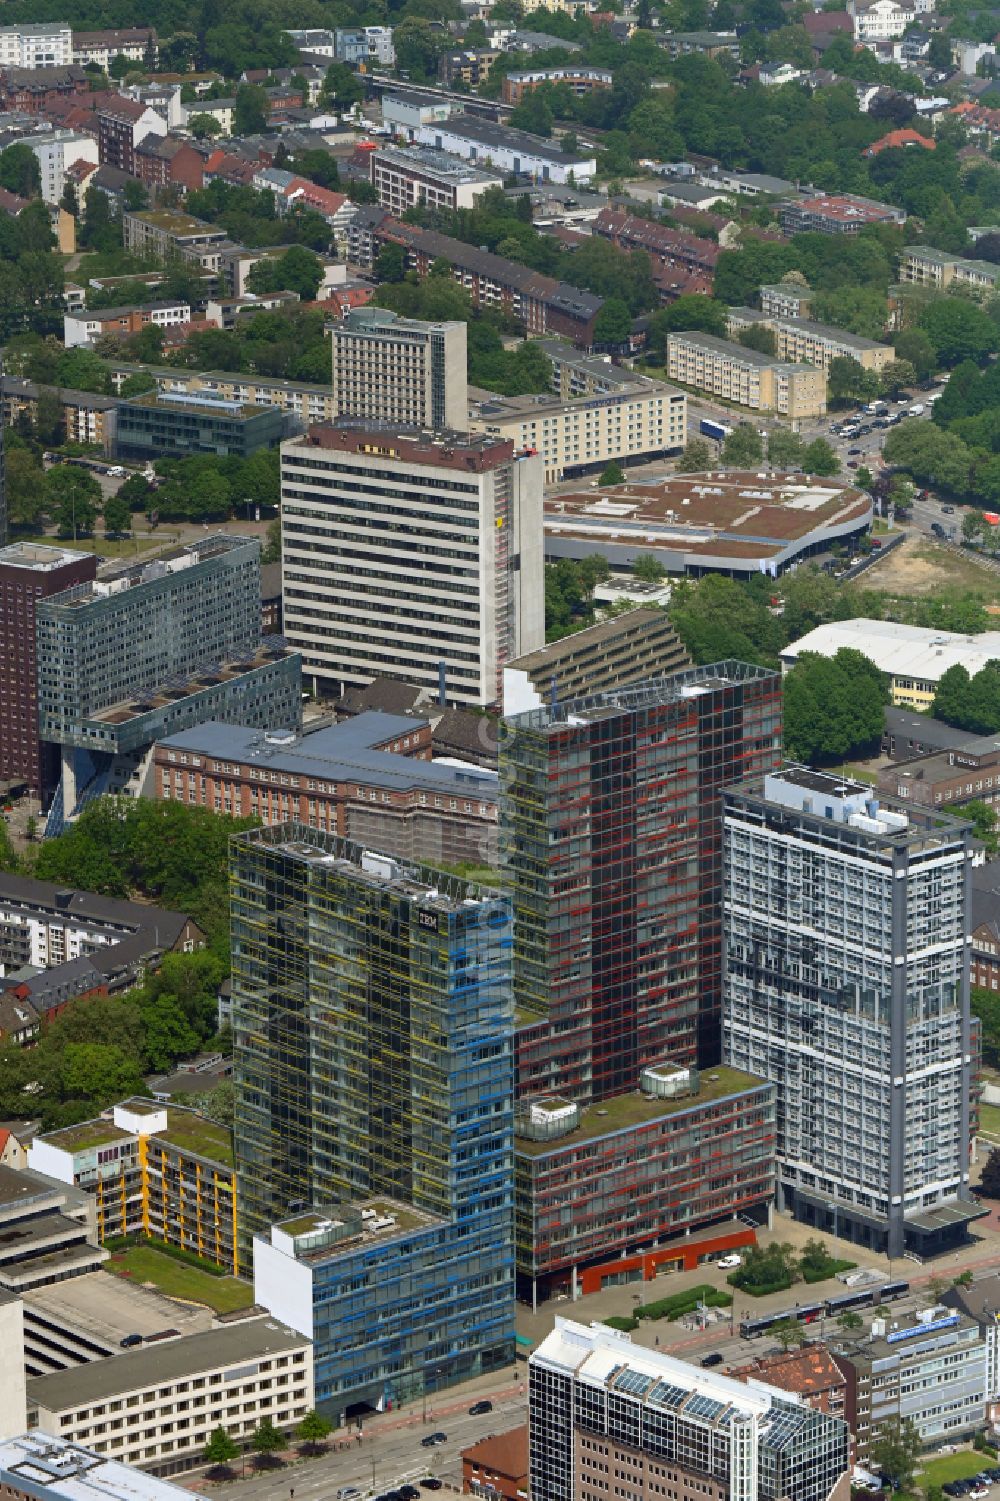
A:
<point x="372" y="1019"/>
<point x="847" y="986"/>
<point x="613" y="814"/>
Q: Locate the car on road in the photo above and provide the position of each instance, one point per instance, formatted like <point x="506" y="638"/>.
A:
<point x="713" y="1359"/>
<point x="729" y="1263"/>
<point x="853" y="464"/>
<point x="478" y="1408"/>
<point x="948" y="510"/>
<point x="852" y="451"/>
<point x="408" y="1492"/>
<point x="348" y="1493"/>
<point x="431" y="1483"/>
<point x="434" y="1438"/>
<point x="938" y="529"/>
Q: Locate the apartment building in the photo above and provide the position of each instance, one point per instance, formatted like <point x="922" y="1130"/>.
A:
<point x="630" y="648"/>
<point x="622" y="416"/>
<point x="471" y="66"/>
<point x="459" y="591"/>
<point x="745" y="376"/>
<point x="40" y="1467"/>
<point x="968" y="773"/>
<point x="153" y="1170"/>
<point x="157" y="1407"/>
<point x="578" y="80"/>
<point x="300" y="402"/>
<point x="837" y="214"/>
<point x="45" y="45"/>
<point x="927" y="1368"/>
<point x="371" y="779"/>
<point x="121" y="124"/>
<point x="707" y="43"/>
<point x="28" y="574"/>
<point x="607" y="1416"/>
<point x="800" y="341"/>
<point x="575" y="775"/>
<point x="160" y="234"/>
<point x="882" y="20"/>
<point x="810" y="1373"/>
<point x="923" y="266"/>
<point x="479" y="140"/>
<point x="91" y="324"/>
<point x="405" y="177"/>
<point x="786" y="300"/>
<point x="670" y="250"/>
<point x="161" y="160"/>
<point x="56" y="151"/>
<point x="365" y="46"/>
<point x="914" y="658"/>
<point x="378" y="1092"/>
<point x="399" y="371"/>
<point x="683" y="1152"/>
<point x="137" y="43"/>
<point x="847" y="985"/>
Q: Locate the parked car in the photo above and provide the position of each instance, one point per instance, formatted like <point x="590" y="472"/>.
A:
<point x="434" y="1438"/>
<point x="948" y="510"/>
<point x="480" y="1407"/>
<point x="730" y="1263"/>
<point x="431" y="1483"/>
<point x="713" y="1359"/>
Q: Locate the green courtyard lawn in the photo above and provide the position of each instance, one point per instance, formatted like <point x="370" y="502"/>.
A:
<point x="946" y="1467"/>
<point x="178" y="1280"/>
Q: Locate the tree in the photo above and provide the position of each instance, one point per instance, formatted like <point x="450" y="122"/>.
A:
<point x="74" y="495"/>
<point x="834" y="706"/>
<point x="974" y="526"/>
<point x="930" y="454"/>
<point x="342" y="87"/>
<point x="297" y="270"/>
<point x="896" y="375"/>
<point x="850" y="1321"/>
<point x="204" y="127"/>
<point x="613" y="323"/>
<point x="848" y="380"/>
<point x="913" y="346"/>
<point x="789" y="1333"/>
<point x="766" y="1268"/>
<point x="266" y="1440"/>
<point x="759" y="337"/>
<point x="117" y="516"/>
<point x="312" y="1430"/>
<point x="26" y="494"/>
<point x="20" y="172"/>
<point x="784" y="449"/>
<point x="612" y="474"/>
<point x="220" y="1449"/>
<point x="818" y="457"/>
<point x="696" y="457"/>
<point x="742" y="448"/>
<point x="958" y="330"/>
<point x="990" y="1182"/>
<point x="390" y="265"/>
<point x="249" y="110"/>
<point x="648" y="569"/>
<point x="896" y="1449"/>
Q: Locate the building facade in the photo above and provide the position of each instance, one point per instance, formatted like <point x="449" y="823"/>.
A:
<point x="372" y="1018"/>
<point x="153" y="1170"/>
<point x="837" y="214"/>
<point x="607" y="1417"/>
<point x="404" y="178"/>
<point x="399" y="371"/>
<point x="28" y="574"/>
<point x="745" y="376"/>
<point x="462" y="586"/>
<point x="914" y="658"/>
<point x="801" y="341"/>
<point x="630" y="648"/>
<point x="847" y="985"/>
<point x="160" y="424"/>
<point x="618" y="968"/>
<point x="44" y="45"/>
<point x="923" y="266"/>
<point x="478" y="140"/>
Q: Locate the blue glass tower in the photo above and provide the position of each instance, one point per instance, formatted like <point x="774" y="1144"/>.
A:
<point x="373" y="1024"/>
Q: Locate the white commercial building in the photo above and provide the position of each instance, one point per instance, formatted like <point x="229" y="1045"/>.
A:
<point x="411" y="554"/>
<point x="913" y="657"/>
<point x="91" y="324"/>
<point x="404" y="177"/>
<point x="56" y="151"/>
<point x="399" y="370"/>
<point x="47" y="45"/>
<point x="13" y="1403"/>
<point x="40" y="1467"/>
<point x="157" y="1407"/>
<point x="486" y="143"/>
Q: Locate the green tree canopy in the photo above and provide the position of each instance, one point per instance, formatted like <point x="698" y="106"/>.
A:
<point x="834" y="706"/>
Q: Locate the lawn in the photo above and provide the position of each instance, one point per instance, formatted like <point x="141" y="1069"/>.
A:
<point x="128" y="547"/>
<point x="948" y="1467"/>
<point x="989" y="1120"/>
<point x="177" y="1280"/>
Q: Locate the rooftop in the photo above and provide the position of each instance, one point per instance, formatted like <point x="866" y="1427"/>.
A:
<point x="132" y="1370"/>
<point x="807" y="326"/>
<point x="175" y="223"/>
<point x="729" y="514"/>
<point x="738" y="353"/>
<point x="39" y="1465"/>
<point x="440" y="163"/>
<point x="353" y="749"/>
<point x="807" y="1371"/>
<point x="636" y="1109"/>
<point x="581" y="642"/>
<point x="501" y="1453"/>
<point x="106" y="1308"/>
<point x="38" y="558"/>
<point x="910" y="651"/>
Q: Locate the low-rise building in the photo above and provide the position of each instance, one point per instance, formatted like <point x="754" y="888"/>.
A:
<point x="43" y="1467"/>
<point x="161" y="234"/>
<point x="598" y="414"/>
<point x="914" y="658"/>
<point x="968" y="773"/>
<point x="94" y="323"/>
<point x="471" y="66"/>
<point x="46" y="1232"/>
<point x="367" y="47"/>
<point x="786" y="300"/>
<point x="923" y="266"/>
<point x="478" y="140"/>
<point x="406" y="177"/>
<point x="301" y="402"/>
<point x="707" y="43"/>
<point x="745" y="376"/>
<point x="811" y="1373"/>
<point x="670" y="250"/>
<point x="981" y="1302"/>
<point x="684" y="1152"/>
<point x="137" y="43"/>
<point x="154" y="1170"/>
<point x="78" y="1319"/>
<point x="578" y="80"/>
<point x="497" y="1466"/>
<point x="407" y="112"/>
<point x="371" y="779"/>
<point x="837" y="214"/>
<point x="908" y="735"/>
<point x="984" y="968"/>
<point x="159" y="424"/>
<point x="157" y="1407"/>
<point x="629" y="648"/>
<point x="801" y="341"/>
<point x="929" y="1368"/>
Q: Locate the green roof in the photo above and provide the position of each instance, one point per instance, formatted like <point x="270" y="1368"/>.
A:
<point x="195" y="1133"/>
<point x="636" y="1109"/>
<point x="87" y="1134"/>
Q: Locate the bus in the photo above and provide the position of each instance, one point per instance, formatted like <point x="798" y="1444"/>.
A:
<point x="803" y="1313"/>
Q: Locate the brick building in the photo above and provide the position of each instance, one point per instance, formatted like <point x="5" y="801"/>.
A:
<point x="811" y="1372"/>
<point x="161" y="160"/>
<point x="497" y="1467"/>
<point x="121" y="124"/>
<point x="669" y="250"/>
<point x="32" y="91"/>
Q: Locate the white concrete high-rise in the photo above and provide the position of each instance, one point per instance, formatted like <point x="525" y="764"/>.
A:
<point x="400" y="370"/>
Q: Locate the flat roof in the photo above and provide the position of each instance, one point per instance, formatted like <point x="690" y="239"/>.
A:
<point x="441" y="163"/>
<point x="132" y="1370"/>
<point x="38" y="1464"/>
<point x="911" y="651"/>
<point x="37" y="557"/>
<point x="507" y="138"/>
<point x="637" y="1109"/>
<point x="738" y="353"/>
<point x="809" y="326"/>
<point x="341" y="753"/>
<point x="728" y="513"/>
<point x="107" y="1308"/>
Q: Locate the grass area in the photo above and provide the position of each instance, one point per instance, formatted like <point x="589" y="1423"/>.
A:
<point x="87" y="1134"/>
<point x="859" y="773"/>
<point x="176" y="1280"/>
<point x="128" y="547"/>
<point x="965" y="573"/>
<point x="989" y="1119"/>
<point x="193" y="1133"/>
<point x="948" y="1467"/>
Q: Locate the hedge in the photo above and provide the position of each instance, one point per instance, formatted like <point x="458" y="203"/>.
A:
<point x="829" y="1269"/>
<point x="758" y="1289"/>
<point x="686" y="1302"/>
<point x="615" y="1321"/>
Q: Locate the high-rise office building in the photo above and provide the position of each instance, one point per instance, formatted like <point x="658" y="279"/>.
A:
<point x="400" y="370"/>
<point x="29" y="574"/>
<point x="613" y="815"/>
<point x="411" y="555"/>
<point x="127" y="659"/>
<point x="847" y="986"/>
<point x="372" y="1020"/>
<point x="608" y="1418"/>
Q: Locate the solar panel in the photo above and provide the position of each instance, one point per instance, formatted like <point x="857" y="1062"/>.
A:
<point x="668" y="1396"/>
<point x="634" y="1382"/>
<point x="704" y="1407"/>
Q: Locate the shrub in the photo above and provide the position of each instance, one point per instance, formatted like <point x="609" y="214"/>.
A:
<point x="684" y="1302"/>
<point x="832" y="1267"/>
<point x="615" y="1321"/>
<point x="758" y="1289"/>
